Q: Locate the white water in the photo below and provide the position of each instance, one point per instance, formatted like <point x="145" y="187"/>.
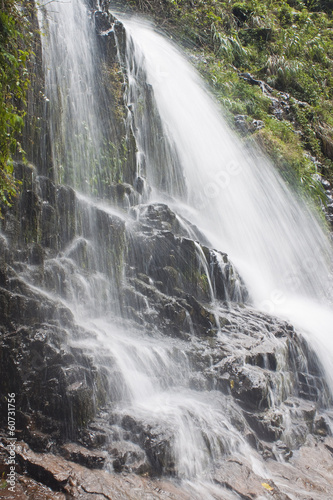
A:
<point x="233" y="195"/>
<point x="236" y="197"/>
<point x="70" y="87"/>
<point x="153" y="388"/>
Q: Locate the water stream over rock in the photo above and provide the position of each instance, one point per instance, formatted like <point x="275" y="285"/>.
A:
<point x="130" y="327"/>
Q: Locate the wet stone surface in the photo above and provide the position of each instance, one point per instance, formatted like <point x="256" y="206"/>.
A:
<point x="145" y="286"/>
<point x="169" y="286"/>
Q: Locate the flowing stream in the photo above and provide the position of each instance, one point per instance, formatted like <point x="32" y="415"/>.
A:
<point x="193" y="162"/>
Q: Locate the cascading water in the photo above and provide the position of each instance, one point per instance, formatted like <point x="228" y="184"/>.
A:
<point x="70" y="83"/>
<point x="238" y="200"/>
<point x="234" y="194"/>
<point x="84" y="148"/>
<point x="110" y="273"/>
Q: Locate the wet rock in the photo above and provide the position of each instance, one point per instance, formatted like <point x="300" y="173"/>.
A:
<point x="310" y="470"/>
<point x="311" y="384"/>
<point x="144" y="278"/>
<point x="139" y="185"/>
<point x="257" y="125"/>
<point x="300" y="415"/>
<point x="36" y="254"/>
<point x="198" y="269"/>
<point x="4" y="250"/>
<point x="239" y="478"/>
<point x="128" y="457"/>
<point x="203" y="319"/>
<point x="37" y="440"/>
<point x="321" y="426"/>
<point x="16" y="307"/>
<point x="30" y="210"/>
<point x="66" y="211"/>
<point x="244" y="365"/>
<point x="84" y="456"/>
<point x="47" y="189"/>
<point x="11" y="227"/>
<point x="102" y="21"/>
<point x="281" y="450"/>
<point x="325" y="136"/>
<point x="161" y="248"/>
<point x="306" y="476"/>
<point x="328" y="442"/>
<point x="263" y="360"/>
<point x="27" y="488"/>
<point x="49" y="476"/>
<point x="49" y="228"/>
<point x="176" y="316"/>
<point x="227" y="283"/>
<point x="122" y="195"/>
<point x="176" y="313"/>
<point x="166" y="287"/>
<point x="242" y="124"/>
<point x="26" y="174"/>
<point x="93" y="436"/>
<point x="281" y="104"/>
<point x="155" y="440"/>
<point x="80" y="251"/>
<point x="80" y="397"/>
<point x="159" y="216"/>
<point x="31" y="357"/>
<point x="250" y="387"/>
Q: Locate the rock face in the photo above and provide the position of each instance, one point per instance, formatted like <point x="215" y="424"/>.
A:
<point x="48" y="476"/>
<point x="104" y="302"/>
<point x="45" y="248"/>
<point x="259" y="366"/>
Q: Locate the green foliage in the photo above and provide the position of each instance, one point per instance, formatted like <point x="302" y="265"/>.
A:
<point x="320" y="5"/>
<point x="3" y="482"/>
<point x="285" y="149"/>
<point x="287" y="44"/>
<point x="228" y="47"/>
<point x="13" y="85"/>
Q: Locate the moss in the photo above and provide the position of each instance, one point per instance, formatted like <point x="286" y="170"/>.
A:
<point x="113" y="80"/>
<point x="15" y="50"/>
<point x="203" y="284"/>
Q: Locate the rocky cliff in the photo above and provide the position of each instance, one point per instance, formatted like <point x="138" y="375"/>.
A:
<point x="67" y="260"/>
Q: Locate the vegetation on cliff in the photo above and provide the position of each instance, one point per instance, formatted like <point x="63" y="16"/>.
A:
<point x="14" y="80"/>
<point x="267" y="61"/>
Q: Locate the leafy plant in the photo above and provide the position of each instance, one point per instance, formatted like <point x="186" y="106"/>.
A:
<point x="14" y="81"/>
<point x="228" y="47"/>
<point x="3" y="482"/>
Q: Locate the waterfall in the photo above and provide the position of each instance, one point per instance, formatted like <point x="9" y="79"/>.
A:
<point x="237" y="199"/>
<point x="169" y="389"/>
<point x="233" y="192"/>
<point x="87" y="152"/>
<point x="71" y="83"/>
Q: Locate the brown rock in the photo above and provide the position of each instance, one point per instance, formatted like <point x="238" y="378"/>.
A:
<point x="83" y="456"/>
